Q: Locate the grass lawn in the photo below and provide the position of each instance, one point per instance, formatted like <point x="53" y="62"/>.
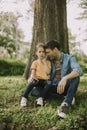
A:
<point x="13" y="117"/>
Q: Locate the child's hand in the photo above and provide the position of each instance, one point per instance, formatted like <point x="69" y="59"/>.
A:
<point x="31" y="79"/>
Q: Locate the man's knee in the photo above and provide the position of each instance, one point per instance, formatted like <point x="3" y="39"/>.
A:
<point x="76" y="80"/>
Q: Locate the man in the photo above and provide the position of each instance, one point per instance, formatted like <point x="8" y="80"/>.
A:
<point x="67" y="72"/>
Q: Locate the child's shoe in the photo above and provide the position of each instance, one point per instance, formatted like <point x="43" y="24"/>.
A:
<point x="23" y="102"/>
<point x="40" y="101"/>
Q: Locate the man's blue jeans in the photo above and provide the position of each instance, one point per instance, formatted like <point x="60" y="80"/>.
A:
<point x="70" y="90"/>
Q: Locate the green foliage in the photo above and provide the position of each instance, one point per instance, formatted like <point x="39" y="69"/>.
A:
<point x="82" y="59"/>
<point x="11" y="67"/>
<point x="8" y="44"/>
<point x="13" y="117"/>
<point x="83" y="5"/>
<point x="11" y="35"/>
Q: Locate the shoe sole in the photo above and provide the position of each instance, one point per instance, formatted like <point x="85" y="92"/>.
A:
<point x="39" y="104"/>
<point x="61" y="114"/>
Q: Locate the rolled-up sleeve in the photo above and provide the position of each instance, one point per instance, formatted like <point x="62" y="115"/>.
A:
<point x="75" y="66"/>
<point x="34" y="65"/>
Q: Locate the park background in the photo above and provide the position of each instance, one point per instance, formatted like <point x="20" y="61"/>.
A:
<point x="16" y="33"/>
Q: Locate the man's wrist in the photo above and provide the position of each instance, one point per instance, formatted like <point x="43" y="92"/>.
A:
<point x="65" y="77"/>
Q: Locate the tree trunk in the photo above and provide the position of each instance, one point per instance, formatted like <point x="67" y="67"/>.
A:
<point x="50" y="23"/>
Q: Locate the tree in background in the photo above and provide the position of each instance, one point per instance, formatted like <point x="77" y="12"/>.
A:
<point x="10" y="34"/>
<point x="83" y="5"/>
<point x="83" y="15"/>
<point x="50" y="22"/>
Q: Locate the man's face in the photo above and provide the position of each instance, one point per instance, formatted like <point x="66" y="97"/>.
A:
<point x="50" y="53"/>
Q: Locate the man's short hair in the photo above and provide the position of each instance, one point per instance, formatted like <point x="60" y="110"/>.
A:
<point x="52" y="44"/>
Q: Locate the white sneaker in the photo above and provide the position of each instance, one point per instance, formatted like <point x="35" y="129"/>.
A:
<point x="23" y="102"/>
<point x="40" y="101"/>
<point x="63" y="110"/>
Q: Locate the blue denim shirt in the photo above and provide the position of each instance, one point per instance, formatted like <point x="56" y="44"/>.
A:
<point x="68" y="64"/>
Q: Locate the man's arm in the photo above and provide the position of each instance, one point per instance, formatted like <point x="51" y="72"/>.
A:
<point x="62" y="83"/>
<point x="71" y="75"/>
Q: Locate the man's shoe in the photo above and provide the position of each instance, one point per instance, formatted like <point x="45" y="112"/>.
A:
<point x="23" y="102"/>
<point x="63" y="110"/>
<point x="40" y="101"/>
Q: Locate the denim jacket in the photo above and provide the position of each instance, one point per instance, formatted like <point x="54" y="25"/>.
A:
<point x="68" y="64"/>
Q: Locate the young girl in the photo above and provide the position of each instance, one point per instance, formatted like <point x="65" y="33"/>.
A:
<point x="40" y="75"/>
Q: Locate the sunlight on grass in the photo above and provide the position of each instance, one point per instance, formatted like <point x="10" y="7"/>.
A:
<point x="40" y="118"/>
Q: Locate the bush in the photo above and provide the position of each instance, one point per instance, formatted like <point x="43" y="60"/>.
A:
<point x="11" y="67"/>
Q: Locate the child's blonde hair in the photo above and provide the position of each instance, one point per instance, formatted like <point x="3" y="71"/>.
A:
<point x="40" y="45"/>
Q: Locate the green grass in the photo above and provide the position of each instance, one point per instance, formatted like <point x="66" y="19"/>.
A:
<point x="13" y="117"/>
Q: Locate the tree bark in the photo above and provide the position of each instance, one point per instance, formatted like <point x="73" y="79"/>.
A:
<point x="50" y="23"/>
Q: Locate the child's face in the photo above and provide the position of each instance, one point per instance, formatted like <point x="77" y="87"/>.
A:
<point x="40" y="53"/>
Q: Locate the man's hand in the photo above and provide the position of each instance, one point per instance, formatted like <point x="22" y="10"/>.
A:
<point x="61" y="85"/>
